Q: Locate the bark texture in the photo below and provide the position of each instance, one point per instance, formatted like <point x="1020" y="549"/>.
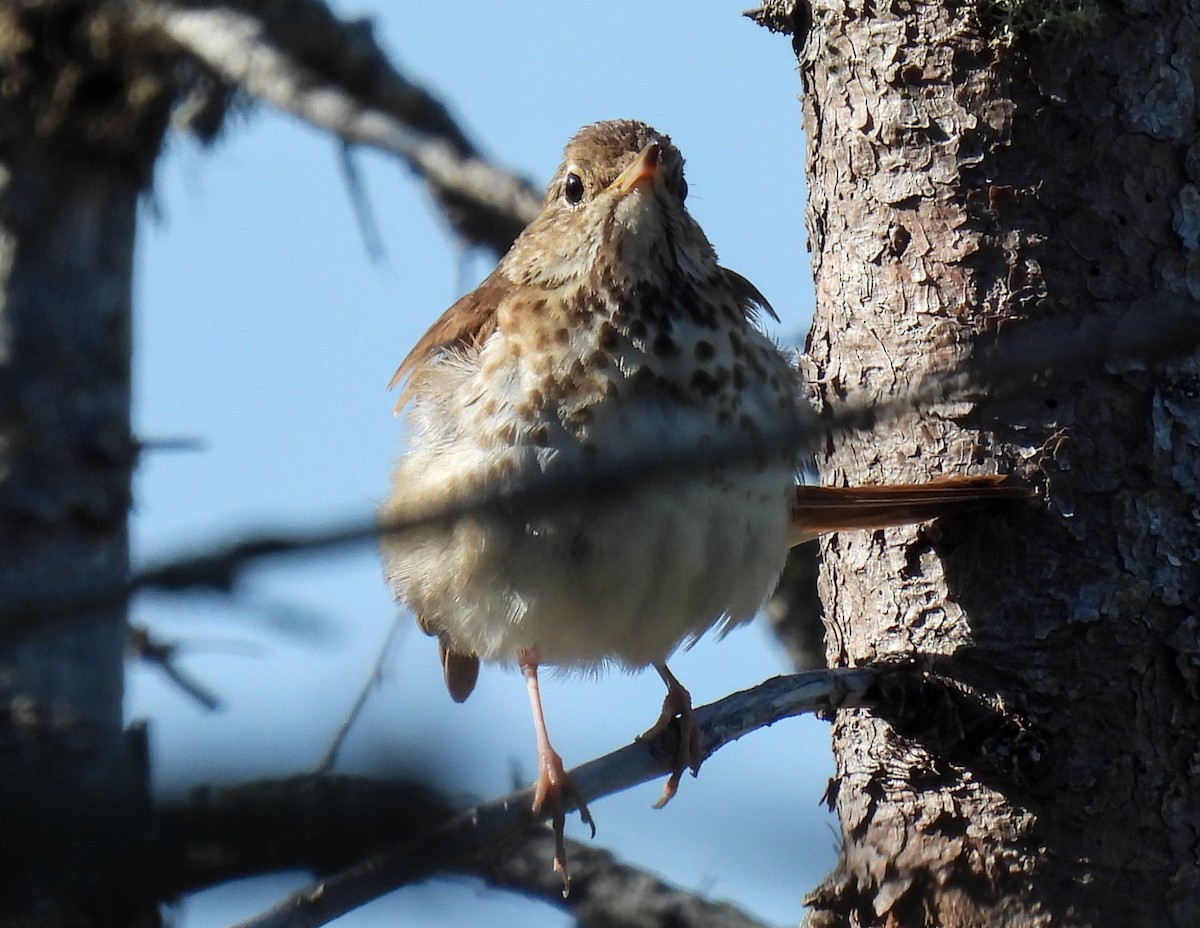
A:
<point x="79" y="125"/>
<point x="1045" y="773"/>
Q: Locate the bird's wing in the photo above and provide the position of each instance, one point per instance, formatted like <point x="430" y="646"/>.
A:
<point x="818" y="510"/>
<point x="459" y="670"/>
<point x="463" y="327"/>
<point x="748" y="296"/>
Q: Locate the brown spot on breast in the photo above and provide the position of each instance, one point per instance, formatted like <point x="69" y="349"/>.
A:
<point x="541" y="436"/>
<point x="703" y="383"/>
<point x="562" y="335"/>
<point x="739" y="376"/>
<point x="646" y="382"/>
<point x="576" y="419"/>
<point x="703" y="314"/>
<point x="704" y="350"/>
<point x="637" y="329"/>
<point x="598" y="360"/>
<point x="607" y="336"/>
<point x="664" y="345"/>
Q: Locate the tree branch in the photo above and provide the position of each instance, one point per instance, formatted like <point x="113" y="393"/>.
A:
<point x="322" y="823"/>
<point x="605" y="893"/>
<point x="461" y="842"/>
<point x="300" y="58"/>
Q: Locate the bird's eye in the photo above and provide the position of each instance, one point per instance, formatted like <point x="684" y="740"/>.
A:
<point x="683" y="188"/>
<point x="573" y="188"/>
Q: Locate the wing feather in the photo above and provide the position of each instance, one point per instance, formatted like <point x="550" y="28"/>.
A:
<point x="465" y="326"/>
<point x="748" y="296"/>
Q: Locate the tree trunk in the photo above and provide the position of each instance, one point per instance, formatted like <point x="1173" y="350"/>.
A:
<point x="79" y="127"/>
<point x="963" y="171"/>
<point x="68" y="774"/>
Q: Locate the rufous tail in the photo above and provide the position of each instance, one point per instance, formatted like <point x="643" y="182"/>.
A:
<point x="818" y="510"/>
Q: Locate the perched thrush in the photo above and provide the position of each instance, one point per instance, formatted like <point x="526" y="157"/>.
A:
<point x="608" y="328"/>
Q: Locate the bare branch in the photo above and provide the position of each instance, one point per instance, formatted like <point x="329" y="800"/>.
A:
<point x="459" y="842"/>
<point x="320" y="823"/>
<point x="142" y="645"/>
<point x="368" y="227"/>
<point x="335" y="745"/>
<point x="605" y="893"/>
<point x="300" y="58"/>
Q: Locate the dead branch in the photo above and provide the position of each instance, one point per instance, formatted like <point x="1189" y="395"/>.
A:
<point x="300" y="58"/>
<point x="459" y="843"/>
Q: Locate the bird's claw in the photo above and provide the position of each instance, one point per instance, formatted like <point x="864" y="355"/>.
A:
<point x="555" y="794"/>
<point x="677" y="720"/>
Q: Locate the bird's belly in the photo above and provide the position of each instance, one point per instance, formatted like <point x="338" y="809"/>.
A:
<point x="630" y="579"/>
<point x="625" y="577"/>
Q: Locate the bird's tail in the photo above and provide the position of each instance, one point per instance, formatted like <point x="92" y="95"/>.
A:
<point x="818" y="510"/>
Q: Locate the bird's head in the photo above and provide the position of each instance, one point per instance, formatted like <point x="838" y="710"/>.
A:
<point x="614" y="212"/>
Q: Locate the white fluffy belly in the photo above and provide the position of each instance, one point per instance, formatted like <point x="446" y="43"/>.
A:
<point x="626" y="577"/>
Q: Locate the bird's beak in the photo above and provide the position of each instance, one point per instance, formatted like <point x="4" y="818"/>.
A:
<point x="644" y="169"/>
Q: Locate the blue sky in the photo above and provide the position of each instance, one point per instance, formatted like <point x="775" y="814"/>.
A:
<point x="265" y="332"/>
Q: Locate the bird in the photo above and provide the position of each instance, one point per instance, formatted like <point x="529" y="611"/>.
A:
<point x="607" y="329"/>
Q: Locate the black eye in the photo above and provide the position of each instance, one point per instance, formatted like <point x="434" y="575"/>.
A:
<point x="573" y="188"/>
<point x="683" y="188"/>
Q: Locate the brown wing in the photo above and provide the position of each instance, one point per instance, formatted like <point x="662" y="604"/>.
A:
<point x="748" y="296"/>
<point x="464" y="326"/>
<point x="459" y="670"/>
<point x="817" y="510"/>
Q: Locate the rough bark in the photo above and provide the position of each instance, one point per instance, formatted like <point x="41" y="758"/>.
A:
<point x="79" y="126"/>
<point x="961" y="174"/>
<point x="71" y="778"/>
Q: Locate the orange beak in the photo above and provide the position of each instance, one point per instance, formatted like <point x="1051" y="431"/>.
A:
<point x="644" y="169"/>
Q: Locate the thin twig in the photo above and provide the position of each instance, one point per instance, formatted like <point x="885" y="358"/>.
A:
<point x="143" y="646"/>
<point x="473" y="831"/>
<point x="330" y="757"/>
<point x="364" y="215"/>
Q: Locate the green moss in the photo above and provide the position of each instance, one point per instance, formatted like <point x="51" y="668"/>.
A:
<point x="1044" y="20"/>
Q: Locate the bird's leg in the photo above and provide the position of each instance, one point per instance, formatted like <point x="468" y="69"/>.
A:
<point x="676" y="705"/>
<point x="554" y="790"/>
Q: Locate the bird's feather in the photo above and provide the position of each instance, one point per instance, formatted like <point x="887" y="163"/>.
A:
<point x="819" y="510"/>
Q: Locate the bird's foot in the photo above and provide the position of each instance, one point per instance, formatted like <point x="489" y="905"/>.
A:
<point x="555" y="793"/>
<point x="677" y="708"/>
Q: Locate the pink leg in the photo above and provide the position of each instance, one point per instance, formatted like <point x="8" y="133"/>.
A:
<point x="554" y="790"/>
<point x="688" y="754"/>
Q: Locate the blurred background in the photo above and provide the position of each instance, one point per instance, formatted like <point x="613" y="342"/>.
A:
<point x="267" y="334"/>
